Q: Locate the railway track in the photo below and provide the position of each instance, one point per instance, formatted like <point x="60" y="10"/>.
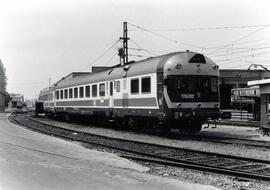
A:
<point x="178" y="157"/>
<point x="227" y="140"/>
<point x="212" y="138"/>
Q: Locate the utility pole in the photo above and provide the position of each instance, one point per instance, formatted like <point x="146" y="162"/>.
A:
<point x="123" y="52"/>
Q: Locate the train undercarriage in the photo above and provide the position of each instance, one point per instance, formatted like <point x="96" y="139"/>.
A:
<point x="188" y="124"/>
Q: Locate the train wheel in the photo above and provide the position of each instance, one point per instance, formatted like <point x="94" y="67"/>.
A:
<point x="119" y="124"/>
<point x="63" y="117"/>
<point x="66" y="117"/>
<point x="191" y="127"/>
<point x="131" y="123"/>
<point x="161" y="128"/>
<point x="194" y="127"/>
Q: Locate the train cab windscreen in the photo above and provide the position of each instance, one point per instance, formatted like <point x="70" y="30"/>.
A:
<point x="192" y="88"/>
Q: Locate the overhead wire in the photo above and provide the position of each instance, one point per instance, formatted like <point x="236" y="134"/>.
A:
<point x="245" y="49"/>
<point x="142" y="47"/>
<point x="209" y="28"/>
<point x="235" y="46"/>
<point x="164" y="37"/>
<point x="250" y="55"/>
<point x="99" y="57"/>
<point x="111" y="58"/>
<point x="251" y="41"/>
<point x="239" y="39"/>
<point x="240" y="51"/>
<point x="137" y="55"/>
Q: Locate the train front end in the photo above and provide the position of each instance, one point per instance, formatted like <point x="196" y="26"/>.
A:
<point x="191" y="91"/>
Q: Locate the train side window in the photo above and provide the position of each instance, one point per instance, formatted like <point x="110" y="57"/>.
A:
<point x="102" y="89"/>
<point x="70" y="93"/>
<point x="146" y="85"/>
<point x="117" y="86"/>
<point x="94" y="90"/>
<point x="134" y="87"/>
<point x="87" y="91"/>
<point x="81" y="92"/>
<point x="111" y="88"/>
<point x="66" y="94"/>
<point x="76" y="92"/>
<point x="61" y="94"/>
<point x="57" y="94"/>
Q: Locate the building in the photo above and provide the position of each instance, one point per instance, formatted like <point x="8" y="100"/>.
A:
<point x="264" y="87"/>
<point x="237" y="78"/>
<point x="16" y="101"/>
<point x="3" y="83"/>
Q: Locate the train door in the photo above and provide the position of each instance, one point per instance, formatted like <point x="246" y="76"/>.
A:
<point x="111" y="99"/>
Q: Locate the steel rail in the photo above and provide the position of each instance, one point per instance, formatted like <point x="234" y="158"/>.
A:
<point x="231" y="140"/>
<point x="155" y="157"/>
<point x="177" y="148"/>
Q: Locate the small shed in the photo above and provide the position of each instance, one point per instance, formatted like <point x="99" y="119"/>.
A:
<point x="264" y="86"/>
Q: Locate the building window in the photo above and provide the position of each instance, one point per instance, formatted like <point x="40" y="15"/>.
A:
<point x="76" y="92"/>
<point x="134" y="87"/>
<point x="117" y="86"/>
<point x="94" y="90"/>
<point x="57" y="94"/>
<point x="146" y="85"/>
<point x="70" y="93"/>
<point x="66" y="94"/>
<point x="61" y="94"/>
<point x="102" y="89"/>
<point x="81" y="92"/>
<point x="87" y="91"/>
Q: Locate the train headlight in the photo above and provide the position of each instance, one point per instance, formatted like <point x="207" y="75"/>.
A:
<point x="160" y="101"/>
<point x="215" y="67"/>
<point x="177" y="115"/>
<point x="178" y="66"/>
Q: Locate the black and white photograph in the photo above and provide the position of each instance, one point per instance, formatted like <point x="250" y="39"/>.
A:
<point x="135" y="95"/>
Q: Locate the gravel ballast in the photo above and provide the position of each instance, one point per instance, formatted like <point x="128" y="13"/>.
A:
<point x="224" y="182"/>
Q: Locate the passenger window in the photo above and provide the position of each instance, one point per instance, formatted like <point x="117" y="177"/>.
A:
<point x="134" y="86"/>
<point x="61" y="94"/>
<point x="76" y="92"/>
<point x="87" y="91"/>
<point x="57" y="94"/>
<point x="70" y="93"/>
<point x="66" y="94"/>
<point x="102" y="89"/>
<point x="81" y="92"/>
<point x="146" y="85"/>
<point x="117" y="86"/>
<point x="111" y="88"/>
<point x="94" y="90"/>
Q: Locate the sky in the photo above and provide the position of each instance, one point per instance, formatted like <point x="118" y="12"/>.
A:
<point x="45" y="40"/>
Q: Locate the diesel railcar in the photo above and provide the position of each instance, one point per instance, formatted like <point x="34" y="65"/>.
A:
<point x="176" y="90"/>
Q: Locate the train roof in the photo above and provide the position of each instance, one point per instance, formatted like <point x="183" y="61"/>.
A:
<point x="141" y="67"/>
